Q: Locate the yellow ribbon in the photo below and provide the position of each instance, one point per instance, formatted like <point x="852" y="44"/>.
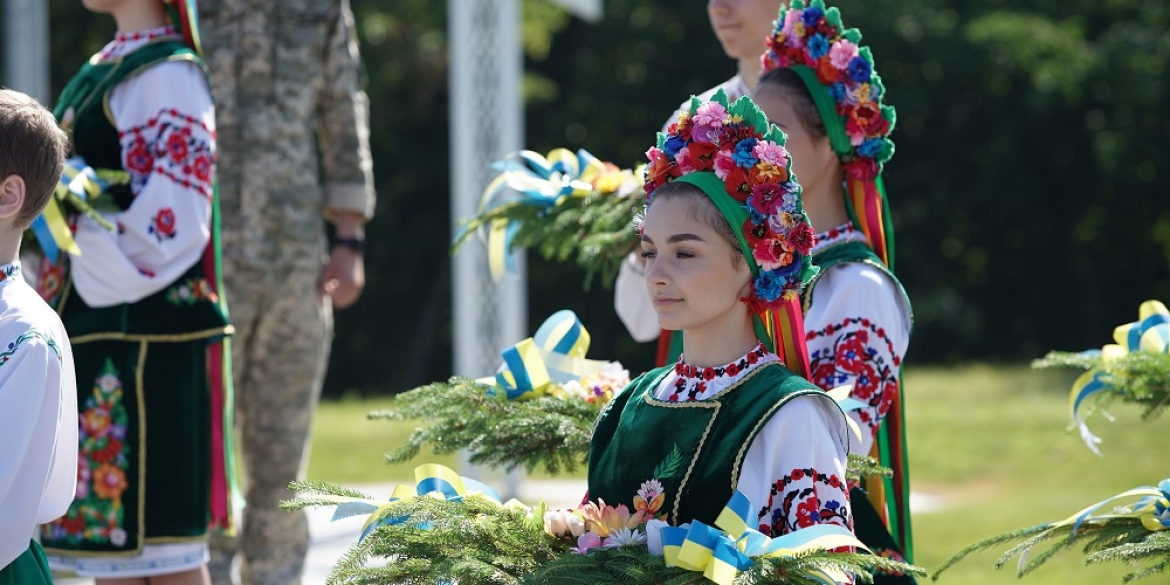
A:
<point x="555" y="354"/>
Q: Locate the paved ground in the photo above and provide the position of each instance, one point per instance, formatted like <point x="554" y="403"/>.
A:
<point x="330" y="539"/>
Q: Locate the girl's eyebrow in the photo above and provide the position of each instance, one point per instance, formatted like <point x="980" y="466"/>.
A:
<point x="676" y="238"/>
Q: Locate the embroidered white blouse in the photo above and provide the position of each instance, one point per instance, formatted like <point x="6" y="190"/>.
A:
<point x="38" y="421"/>
<point x="166" y="124"/>
<point x="794" y="470"/>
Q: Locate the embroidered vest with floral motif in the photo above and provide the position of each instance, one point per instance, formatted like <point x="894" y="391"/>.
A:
<point x="690" y="452"/>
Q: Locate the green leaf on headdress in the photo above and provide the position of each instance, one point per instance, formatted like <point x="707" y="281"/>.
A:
<point x="867" y="55"/>
<point x="695" y="103"/>
<point x="817" y="4"/>
<point x="852" y="35"/>
<point x="752" y="116"/>
<point x="887" y="151"/>
<point x="877" y="89"/>
<point x="775" y="134"/>
<point x="889" y="114"/>
<point x="797" y="4"/>
<point x="661" y="140"/>
<point x="833" y="16"/>
<point x="720" y="98"/>
<point x="807" y="269"/>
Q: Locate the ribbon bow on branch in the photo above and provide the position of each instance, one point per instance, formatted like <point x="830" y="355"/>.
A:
<point x="555" y="354"/>
<point x="77" y="185"/>
<point x="722" y="554"/>
<point x="1150" y="333"/>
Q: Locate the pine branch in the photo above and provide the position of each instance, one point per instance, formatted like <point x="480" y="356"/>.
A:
<point x="860" y="466"/>
<point x="548" y="432"/>
<point x="1141" y="377"/>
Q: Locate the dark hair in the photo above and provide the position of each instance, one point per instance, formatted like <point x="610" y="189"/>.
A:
<point x="794" y="88"/>
<point x="702" y="210"/>
<point x="34" y="149"/>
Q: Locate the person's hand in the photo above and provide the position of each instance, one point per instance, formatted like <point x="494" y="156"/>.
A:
<point x="344" y="277"/>
<point x="344" y="274"/>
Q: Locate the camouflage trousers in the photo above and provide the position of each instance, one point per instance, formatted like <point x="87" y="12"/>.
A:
<point x="280" y="352"/>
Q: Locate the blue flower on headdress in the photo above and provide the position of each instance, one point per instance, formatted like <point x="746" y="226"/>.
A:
<point x="870" y="148"/>
<point x="743" y="153"/>
<point x="673" y="145"/>
<point x="812" y="16"/>
<point x="838" y="91"/>
<point x="769" y="285"/>
<point x="755" y="216"/>
<point x="818" y="46"/>
<point x="789" y="271"/>
<point x="859" y="69"/>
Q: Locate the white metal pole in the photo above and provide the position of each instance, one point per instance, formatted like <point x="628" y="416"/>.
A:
<point x="486" y="122"/>
<point x="26" y="48"/>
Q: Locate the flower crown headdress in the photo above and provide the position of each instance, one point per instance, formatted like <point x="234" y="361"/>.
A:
<point x="839" y="73"/>
<point x="734" y="156"/>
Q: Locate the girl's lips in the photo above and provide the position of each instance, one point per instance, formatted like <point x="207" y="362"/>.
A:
<point x="665" y="301"/>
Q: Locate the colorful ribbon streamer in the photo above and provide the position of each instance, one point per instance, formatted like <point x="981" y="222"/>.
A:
<point x="722" y="554"/>
<point x="527" y="178"/>
<point x="1150" y="333"/>
<point x="555" y="354"/>
<point x="432" y="481"/>
<point x="51" y="228"/>
<point x="1153" y="509"/>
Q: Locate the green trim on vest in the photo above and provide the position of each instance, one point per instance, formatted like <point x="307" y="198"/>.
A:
<point x="846" y="252"/>
<point x="694" y="449"/>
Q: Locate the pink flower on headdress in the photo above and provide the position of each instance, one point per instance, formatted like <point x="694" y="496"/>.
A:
<point x="771" y="152"/>
<point x="709" y="122"/>
<point x="794" y="27"/>
<point x="683" y="158"/>
<point x="724" y="164"/>
<point x="771" y="253"/>
<point x="767" y="198"/>
<point x="842" y="53"/>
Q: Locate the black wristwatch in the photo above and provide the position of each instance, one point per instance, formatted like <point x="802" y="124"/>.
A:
<point x="356" y="244"/>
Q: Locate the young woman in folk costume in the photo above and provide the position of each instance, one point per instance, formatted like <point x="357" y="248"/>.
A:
<point x="142" y="306"/>
<point x="742" y="27"/>
<point x="727" y="249"/>
<point x="820" y="87"/>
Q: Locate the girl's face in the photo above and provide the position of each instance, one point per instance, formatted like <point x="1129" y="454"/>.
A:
<point x="813" y="159"/>
<point x="690" y="273"/>
<point x="742" y="25"/>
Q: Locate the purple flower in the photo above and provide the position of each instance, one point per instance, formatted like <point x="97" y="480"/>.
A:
<point x="838" y="91"/>
<point x="812" y="16"/>
<point x="818" y="46"/>
<point x="859" y="69"/>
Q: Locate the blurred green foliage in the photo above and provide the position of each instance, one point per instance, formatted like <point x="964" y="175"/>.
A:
<point x="1028" y="189"/>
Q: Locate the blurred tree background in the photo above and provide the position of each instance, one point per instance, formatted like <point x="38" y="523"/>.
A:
<point x="1028" y="190"/>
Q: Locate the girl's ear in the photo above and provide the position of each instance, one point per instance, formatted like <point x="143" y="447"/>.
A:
<point x="11" y="196"/>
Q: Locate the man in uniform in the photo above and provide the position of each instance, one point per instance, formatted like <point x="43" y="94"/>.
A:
<point x="294" y="151"/>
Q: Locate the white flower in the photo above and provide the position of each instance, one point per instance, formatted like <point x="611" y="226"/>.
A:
<point x="650" y="489"/>
<point x="108" y="382"/>
<point x="573" y="389"/>
<point x="654" y="536"/>
<point x="118" y="537"/>
<point x="576" y="525"/>
<point x="624" y="537"/>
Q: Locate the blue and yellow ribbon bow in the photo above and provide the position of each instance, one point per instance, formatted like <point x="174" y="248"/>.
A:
<point x="527" y="178"/>
<point x="51" y="228"/>
<point x="722" y="554"/>
<point x="433" y="481"/>
<point x="1153" y="509"/>
<point x="1150" y="333"/>
<point x="555" y="354"/>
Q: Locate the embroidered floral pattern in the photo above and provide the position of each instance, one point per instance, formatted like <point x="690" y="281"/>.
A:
<point x="172" y="145"/>
<point x="51" y="281"/>
<point x="845" y="232"/>
<point x="692" y="382"/>
<point x="12" y="347"/>
<point x="190" y="292"/>
<point x="125" y="43"/>
<point x="803" y="498"/>
<point x="857" y="351"/>
<point x="97" y="513"/>
<point x="9" y="271"/>
<point x="162" y="226"/>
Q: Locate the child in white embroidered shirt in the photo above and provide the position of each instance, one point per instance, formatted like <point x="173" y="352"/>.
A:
<point x="38" y="420"/>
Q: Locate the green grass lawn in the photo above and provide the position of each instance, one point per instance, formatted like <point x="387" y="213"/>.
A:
<point x="992" y="442"/>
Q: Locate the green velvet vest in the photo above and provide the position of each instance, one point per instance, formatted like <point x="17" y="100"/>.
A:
<point x="845" y="252"/>
<point x="694" y="449"/>
<point x="187" y="309"/>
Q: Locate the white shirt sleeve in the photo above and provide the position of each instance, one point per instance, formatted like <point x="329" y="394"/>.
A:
<point x="39" y="398"/>
<point x="166" y="124"/>
<point x="794" y="470"/>
<point x="632" y="302"/>
<point x="858" y="328"/>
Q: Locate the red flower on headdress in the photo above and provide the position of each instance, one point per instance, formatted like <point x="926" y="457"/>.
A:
<point x="801" y="238"/>
<point x="864" y="169"/>
<point x="826" y="73"/>
<point x="702" y="155"/>
<point x="737" y="185"/>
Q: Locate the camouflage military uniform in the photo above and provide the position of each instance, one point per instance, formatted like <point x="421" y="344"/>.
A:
<point x="294" y="147"/>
